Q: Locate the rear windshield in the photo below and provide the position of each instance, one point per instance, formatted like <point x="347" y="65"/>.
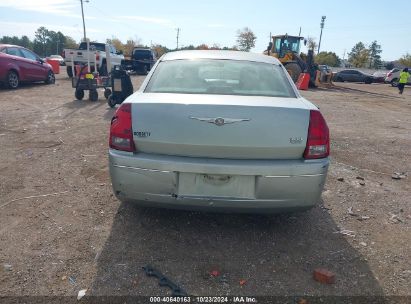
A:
<point x="93" y="46"/>
<point x="143" y="54"/>
<point x="225" y="77"/>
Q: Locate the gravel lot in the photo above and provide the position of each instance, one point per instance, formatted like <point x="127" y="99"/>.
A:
<point x="81" y="237"/>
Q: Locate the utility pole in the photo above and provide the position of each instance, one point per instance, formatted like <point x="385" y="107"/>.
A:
<point x="178" y="35"/>
<point x="321" y="34"/>
<point x="344" y="59"/>
<point x="82" y="14"/>
<point x="299" y="33"/>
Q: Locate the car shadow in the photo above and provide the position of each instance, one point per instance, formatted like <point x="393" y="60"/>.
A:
<point x="77" y="105"/>
<point x="274" y="255"/>
<point x="24" y="86"/>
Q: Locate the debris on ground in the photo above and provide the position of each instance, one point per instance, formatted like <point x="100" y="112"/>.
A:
<point x="81" y="294"/>
<point x="340" y="179"/>
<point x="346" y="232"/>
<point x="324" y="276"/>
<point x="243" y="282"/>
<point x="363" y="244"/>
<point x="363" y="218"/>
<point x="360" y="178"/>
<point x="395" y="218"/>
<point x="350" y="212"/>
<point x="223" y="279"/>
<point x="72" y="280"/>
<point x="214" y="273"/>
<point x="362" y="183"/>
<point x="164" y="281"/>
<point x="7" y="267"/>
<point x="399" y="175"/>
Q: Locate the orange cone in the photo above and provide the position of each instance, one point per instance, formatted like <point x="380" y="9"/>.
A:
<point x="303" y="81"/>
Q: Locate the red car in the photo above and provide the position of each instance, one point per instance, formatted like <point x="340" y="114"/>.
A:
<point x="18" y="64"/>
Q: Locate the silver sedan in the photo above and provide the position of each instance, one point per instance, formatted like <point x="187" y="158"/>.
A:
<point x="220" y="131"/>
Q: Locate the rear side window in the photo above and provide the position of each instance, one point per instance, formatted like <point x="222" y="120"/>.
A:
<point x="142" y="54"/>
<point x="224" y="77"/>
<point x="93" y="46"/>
<point x="14" y="51"/>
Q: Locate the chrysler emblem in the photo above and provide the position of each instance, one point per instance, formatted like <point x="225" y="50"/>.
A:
<point x="219" y="121"/>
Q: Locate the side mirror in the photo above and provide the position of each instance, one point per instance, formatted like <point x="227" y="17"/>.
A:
<point x="305" y="42"/>
<point x="119" y="52"/>
<point x="39" y="60"/>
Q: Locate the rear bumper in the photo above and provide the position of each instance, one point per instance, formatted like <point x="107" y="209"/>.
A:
<point x="280" y="186"/>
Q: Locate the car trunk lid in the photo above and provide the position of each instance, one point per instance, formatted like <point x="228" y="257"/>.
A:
<point x="220" y="126"/>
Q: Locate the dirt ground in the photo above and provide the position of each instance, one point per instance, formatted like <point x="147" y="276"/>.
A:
<point x="62" y="230"/>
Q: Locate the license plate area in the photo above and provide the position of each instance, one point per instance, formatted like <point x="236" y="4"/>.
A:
<point x="216" y="185"/>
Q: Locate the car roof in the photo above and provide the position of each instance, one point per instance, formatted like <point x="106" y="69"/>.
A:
<point x="214" y="54"/>
<point x="9" y="45"/>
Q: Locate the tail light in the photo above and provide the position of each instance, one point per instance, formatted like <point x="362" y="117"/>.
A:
<point x="121" y="132"/>
<point x="318" y="139"/>
<point x="389" y="74"/>
<point x="97" y="57"/>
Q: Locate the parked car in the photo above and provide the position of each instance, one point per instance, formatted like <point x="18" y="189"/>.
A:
<point x="379" y="76"/>
<point x="219" y="130"/>
<point x="324" y="68"/>
<point x="353" y="76"/>
<point x="142" y="60"/>
<point x="18" y="64"/>
<point x="393" y="77"/>
<point x="59" y="58"/>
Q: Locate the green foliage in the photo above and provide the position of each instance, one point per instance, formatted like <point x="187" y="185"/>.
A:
<point x="405" y="60"/>
<point x="23" y="41"/>
<point x="311" y="43"/>
<point x="204" y="46"/>
<point x="362" y="56"/>
<point x="45" y="43"/>
<point x="359" y="55"/>
<point x="328" y="58"/>
<point x="160" y="50"/>
<point x="375" y="57"/>
<point x="389" y="65"/>
<point x="246" y="39"/>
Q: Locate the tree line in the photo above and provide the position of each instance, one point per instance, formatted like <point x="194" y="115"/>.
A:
<point x="45" y="42"/>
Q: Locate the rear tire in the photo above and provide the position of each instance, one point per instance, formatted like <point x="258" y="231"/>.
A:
<point x="13" y="81"/>
<point x="338" y="79"/>
<point x="103" y="70"/>
<point x="111" y="101"/>
<point x="79" y="94"/>
<point x="394" y="82"/>
<point x="294" y="70"/>
<point x="368" y="81"/>
<point x="107" y="93"/>
<point x="69" y="72"/>
<point x="144" y="70"/>
<point x="51" y="79"/>
<point x="93" y="95"/>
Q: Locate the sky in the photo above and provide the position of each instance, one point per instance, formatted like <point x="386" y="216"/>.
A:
<point x="155" y="21"/>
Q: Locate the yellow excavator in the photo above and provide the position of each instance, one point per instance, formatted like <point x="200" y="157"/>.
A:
<point x="286" y="49"/>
